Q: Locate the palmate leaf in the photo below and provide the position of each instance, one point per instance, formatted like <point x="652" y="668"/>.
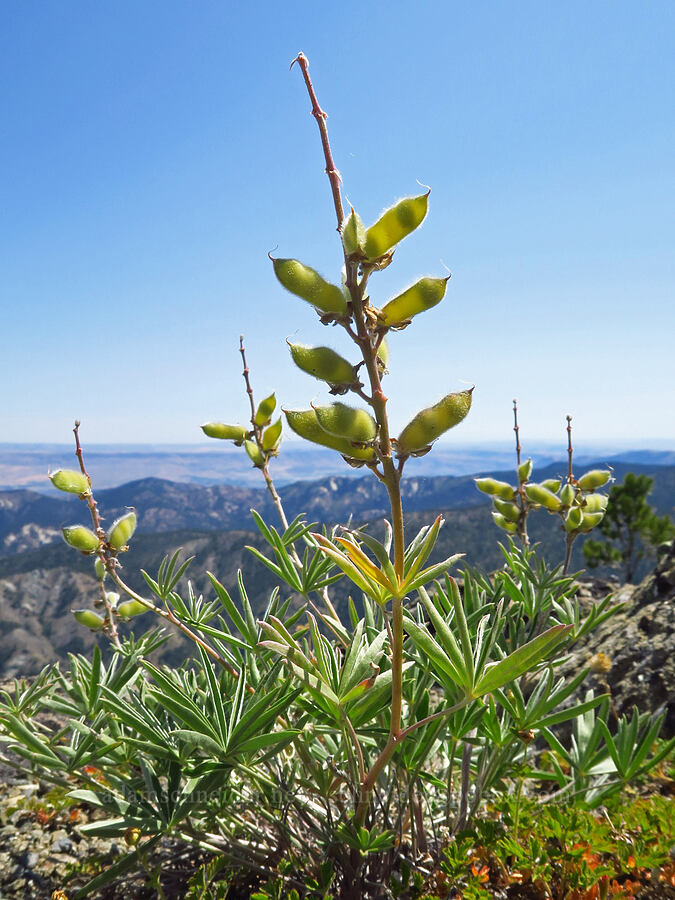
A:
<point x="522" y="660"/>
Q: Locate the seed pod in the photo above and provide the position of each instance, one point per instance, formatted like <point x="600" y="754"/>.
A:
<point x="271" y="435"/>
<point x="254" y="453"/>
<point x="307" y="284"/>
<point x="495" y="488"/>
<point x="353" y="233"/>
<point x="100" y="569"/>
<point x="594" y="479"/>
<point x="265" y="409"/>
<point x="507" y="509"/>
<point x="323" y="363"/>
<point x="524" y="471"/>
<point x="504" y="523"/>
<point x="121" y="530"/>
<point x="89" y="619"/>
<point x="595" y="503"/>
<point x="567" y="495"/>
<point x="112" y="597"/>
<point x="590" y="520"/>
<point x="383" y="353"/>
<point x="573" y="519"/>
<point x="552" y="484"/>
<point x="235" y="433"/>
<point x="423" y="295"/>
<point x="431" y="423"/>
<point x="305" y="424"/>
<point x="537" y="493"/>
<point x="131" y="608"/>
<point x="344" y="421"/>
<point x="395" y="224"/>
<point x="81" y="538"/>
<point x="70" y="481"/>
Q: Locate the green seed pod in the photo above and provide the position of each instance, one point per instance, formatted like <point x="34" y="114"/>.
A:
<point x="573" y="519"/>
<point x="507" y="509"/>
<point x="271" y="436"/>
<point x="431" y="423"/>
<point x="353" y="233"/>
<point x="504" y="523"/>
<point x="121" y="530"/>
<point x="265" y="410"/>
<point x="100" y="569"/>
<point x="395" y="224"/>
<point x="81" y="538"/>
<point x="70" y="481"/>
<point x="595" y="503"/>
<point x="495" y="488"/>
<point x="552" y="484"/>
<point x="567" y="495"/>
<point x="537" y="493"/>
<point x="594" y="479"/>
<point x="310" y="286"/>
<point x="131" y="608"/>
<point x="344" y="421"/>
<point x="524" y="471"/>
<point x="383" y="353"/>
<point x="591" y="519"/>
<point x="89" y="619"/>
<point x="254" y="453"/>
<point x="235" y="433"/>
<point x="423" y="295"/>
<point x="323" y="363"/>
<point x="305" y="424"/>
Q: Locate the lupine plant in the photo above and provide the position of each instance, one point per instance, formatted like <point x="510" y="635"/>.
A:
<point x="310" y="750"/>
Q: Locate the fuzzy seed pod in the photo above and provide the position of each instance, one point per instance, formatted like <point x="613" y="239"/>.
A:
<point x="594" y="479"/>
<point x="552" y="484"/>
<point x="595" y="503"/>
<point x="353" y="233"/>
<point x="81" y="538"/>
<point x="507" y="509"/>
<point x="567" y="495"/>
<point x="224" y="432"/>
<point x="99" y="568"/>
<point x="89" y="619"/>
<point x="305" y="424"/>
<point x="131" y="608"/>
<point x="121" y="530"/>
<point x="265" y="410"/>
<point x="423" y="295"/>
<point x="431" y="423"/>
<point x="573" y="519"/>
<point x="395" y="224"/>
<point x="383" y="353"/>
<point x="307" y="284"/>
<point x="271" y="436"/>
<point x="254" y="454"/>
<point x="323" y="363"/>
<point x="495" y="488"/>
<point x="504" y="523"/>
<point x="590" y="520"/>
<point x="524" y="471"/>
<point x="537" y="493"/>
<point x="70" y="481"/>
<point x="344" y="421"/>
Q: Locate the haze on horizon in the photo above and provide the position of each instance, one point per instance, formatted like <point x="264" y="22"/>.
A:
<point x="152" y="155"/>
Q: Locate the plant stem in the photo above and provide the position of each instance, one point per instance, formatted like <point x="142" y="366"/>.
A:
<point x="522" y="521"/>
<point x="111" y="623"/>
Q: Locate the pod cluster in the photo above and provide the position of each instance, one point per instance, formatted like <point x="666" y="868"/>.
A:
<point x="269" y="433"/>
<point x="574" y="500"/>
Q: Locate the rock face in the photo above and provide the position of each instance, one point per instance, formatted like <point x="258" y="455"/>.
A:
<point x="640" y="644"/>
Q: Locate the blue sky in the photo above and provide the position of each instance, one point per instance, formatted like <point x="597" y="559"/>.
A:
<point x="153" y="152"/>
